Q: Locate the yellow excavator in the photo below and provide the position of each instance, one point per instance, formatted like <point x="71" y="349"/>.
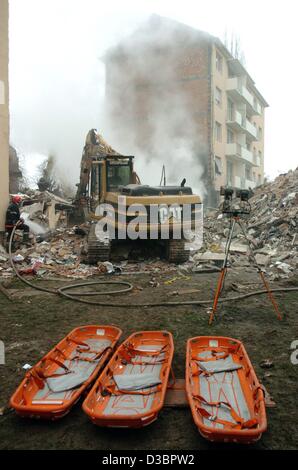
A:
<point x="107" y="175"/>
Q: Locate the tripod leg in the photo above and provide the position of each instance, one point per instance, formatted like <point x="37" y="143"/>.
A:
<point x="217" y="293"/>
<point x="270" y="295"/>
<point x="222" y="273"/>
<point x="266" y="284"/>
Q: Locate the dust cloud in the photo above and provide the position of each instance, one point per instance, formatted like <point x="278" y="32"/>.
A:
<point x="149" y="108"/>
<point x="63" y="96"/>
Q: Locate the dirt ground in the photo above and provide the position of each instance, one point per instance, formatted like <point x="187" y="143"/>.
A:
<point x="33" y="323"/>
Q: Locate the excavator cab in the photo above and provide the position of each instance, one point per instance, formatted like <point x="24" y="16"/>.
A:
<point x="109" y="174"/>
<point x="119" y="172"/>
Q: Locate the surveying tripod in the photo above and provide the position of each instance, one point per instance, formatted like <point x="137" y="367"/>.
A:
<point x="236" y="220"/>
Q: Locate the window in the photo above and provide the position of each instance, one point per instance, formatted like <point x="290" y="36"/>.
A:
<point x="218" y="96"/>
<point x="218" y="131"/>
<point x="260" y="133"/>
<point x="230" y="136"/>
<point x="218" y="165"/>
<point x="254" y="155"/>
<point x="248" y="172"/>
<point x="229" y="173"/>
<point x="218" y="61"/>
<point x="230" y="110"/>
<point x="118" y="175"/>
<point x="260" y="156"/>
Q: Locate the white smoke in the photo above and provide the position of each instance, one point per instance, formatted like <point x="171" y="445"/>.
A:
<point x="62" y="96"/>
<point x="150" y="112"/>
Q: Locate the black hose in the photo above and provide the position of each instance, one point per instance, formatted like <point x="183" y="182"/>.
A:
<point x="128" y="287"/>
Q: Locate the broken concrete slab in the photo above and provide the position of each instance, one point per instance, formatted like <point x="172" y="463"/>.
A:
<point x="237" y="247"/>
<point x="209" y="256"/>
<point x="262" y="260"/>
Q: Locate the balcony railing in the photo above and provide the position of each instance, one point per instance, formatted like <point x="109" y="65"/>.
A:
<point x="251" y="130"/>
<point x="238" y="122"/>
<point x="256" y="160"/>
<point x="240" y="92"/>
<point x="239" y="152"/>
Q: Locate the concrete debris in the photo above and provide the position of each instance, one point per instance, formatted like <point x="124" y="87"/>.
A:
<point x="108" y="268"/>
<point x="209" y="256"/>
<point x="184" y="292"/>
<point x="44" y="211"/>
<point x="262" y="260"/>
<point x="18" y="258"/>
<point x="271" y="228"/>
<point x="62" y="254"/>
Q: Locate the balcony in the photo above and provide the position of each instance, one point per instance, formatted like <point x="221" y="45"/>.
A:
<point x="239" y="123"/>
<point x="240" y="153"/>
<point x="239" y="92"/>
<point x="257" y="108"/>
<point x="251" y="130"/>
<point x="256" y="160"/>
<point x="235" y="120"/>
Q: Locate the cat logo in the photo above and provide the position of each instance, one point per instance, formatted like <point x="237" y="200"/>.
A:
<point x="166" y="213"/>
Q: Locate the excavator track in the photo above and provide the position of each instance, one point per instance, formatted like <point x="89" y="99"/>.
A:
<point x="98" y="250"/>
<point x="176" y="251"/>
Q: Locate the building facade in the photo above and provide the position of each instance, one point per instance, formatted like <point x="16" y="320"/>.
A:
<point x="237" y="123"/>
<point x="4" y="114"/>
<point x="169" y="72"/>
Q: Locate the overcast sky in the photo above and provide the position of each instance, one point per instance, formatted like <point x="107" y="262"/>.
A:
<point x="57" y="79"/>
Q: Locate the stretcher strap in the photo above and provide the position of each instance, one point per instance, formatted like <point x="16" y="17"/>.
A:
<point x="98" y="355"/>
<point x="196" y="370"/>
<point x="113" y="390"/>
<point x="128" y="352"/>
<point x="61" y="352"/>
<point x="79" y="343"/>
<point x="39" y="377"/>
<point x="216" y="355"/>
<point x="240" y="423"/>
<point x="225" y="351"/>
<point x="144" y="363"/>
<point x="40" y="370"/>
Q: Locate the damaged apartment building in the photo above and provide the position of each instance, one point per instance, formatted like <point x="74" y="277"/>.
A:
<point x="166" y="67"/>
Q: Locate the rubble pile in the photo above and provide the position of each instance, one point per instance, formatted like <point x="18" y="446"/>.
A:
<point x="272" y="228"/>
<point x="44" y="211"/>
<point x="56" y="249"/>
<point x="62" y="253"/>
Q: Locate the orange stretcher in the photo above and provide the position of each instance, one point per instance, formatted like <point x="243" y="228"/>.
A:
<point x="224" y="394"/>
<point x="131" y="389"/>
<point x="51" y="387"/>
